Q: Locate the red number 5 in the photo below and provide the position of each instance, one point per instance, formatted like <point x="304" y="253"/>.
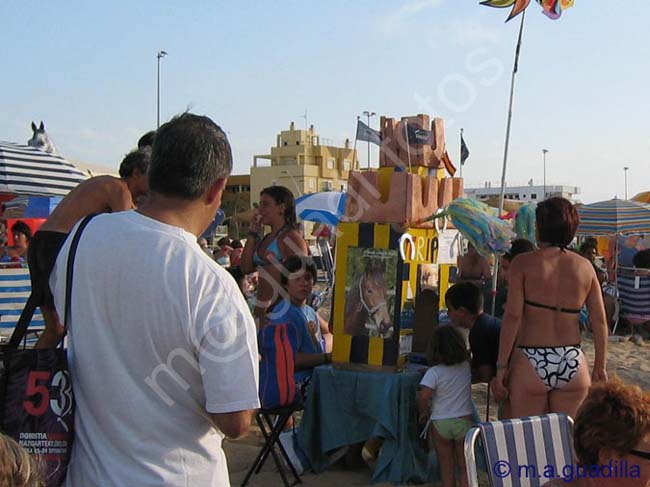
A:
<point x="34" y="389"/>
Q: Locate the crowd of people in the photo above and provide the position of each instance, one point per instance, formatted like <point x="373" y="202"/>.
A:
<point x="170" y="326"/>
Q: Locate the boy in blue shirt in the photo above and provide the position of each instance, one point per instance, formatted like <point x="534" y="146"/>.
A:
<point x="313" y="340"/>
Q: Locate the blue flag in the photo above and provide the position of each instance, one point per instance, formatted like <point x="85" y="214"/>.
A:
<point x="418" y="135"/>
<point x="367" y="134"/>
<point x="464" y="151"/>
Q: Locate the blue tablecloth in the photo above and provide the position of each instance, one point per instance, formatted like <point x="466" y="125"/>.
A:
<point x="344" y="407"/>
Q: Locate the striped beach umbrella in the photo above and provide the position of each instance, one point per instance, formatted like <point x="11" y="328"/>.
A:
<point x="25" y="170"/>
<point x="614" y="217"/>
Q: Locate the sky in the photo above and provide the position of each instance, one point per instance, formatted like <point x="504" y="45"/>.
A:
<point x="88" y="70"/>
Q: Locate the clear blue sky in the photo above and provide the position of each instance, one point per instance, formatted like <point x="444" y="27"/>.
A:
<point x="88" y="69"/>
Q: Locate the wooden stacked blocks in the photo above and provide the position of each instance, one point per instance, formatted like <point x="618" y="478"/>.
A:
<point x="410" y="184"/>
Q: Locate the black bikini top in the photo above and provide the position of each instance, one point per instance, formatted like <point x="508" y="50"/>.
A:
<point x="552" y="308"/>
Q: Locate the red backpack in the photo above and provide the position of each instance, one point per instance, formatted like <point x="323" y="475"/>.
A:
<point x="277" y="383"/>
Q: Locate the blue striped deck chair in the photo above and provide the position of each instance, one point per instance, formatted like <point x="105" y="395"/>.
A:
<point x="15" y="288"/>
<point x="522" y="452"/>
<point x="634" y="294"/>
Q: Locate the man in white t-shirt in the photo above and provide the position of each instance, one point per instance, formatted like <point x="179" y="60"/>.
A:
<point x="162" y="346"/>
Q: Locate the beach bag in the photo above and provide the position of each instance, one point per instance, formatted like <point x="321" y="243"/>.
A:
<point x="277" y="384"/>
<point x="36" y="400"/>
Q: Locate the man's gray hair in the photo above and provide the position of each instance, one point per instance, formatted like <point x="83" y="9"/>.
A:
<point x="190" y="153"/>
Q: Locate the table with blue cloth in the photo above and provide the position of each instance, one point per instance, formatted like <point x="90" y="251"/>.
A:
<point x="345" y="407"/>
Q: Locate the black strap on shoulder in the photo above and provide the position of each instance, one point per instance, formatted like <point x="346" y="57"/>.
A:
<point x="30" y="307"/>
<point x="70" y="270"/>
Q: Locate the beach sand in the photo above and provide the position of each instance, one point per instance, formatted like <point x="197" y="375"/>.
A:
<point x="627" y="360"/>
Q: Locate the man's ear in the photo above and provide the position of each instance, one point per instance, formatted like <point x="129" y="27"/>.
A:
<point x="215" y="190"/>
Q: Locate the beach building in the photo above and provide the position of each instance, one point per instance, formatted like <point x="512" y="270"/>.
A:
<point x="303" y="162"/>
<point x="527" y="194"/>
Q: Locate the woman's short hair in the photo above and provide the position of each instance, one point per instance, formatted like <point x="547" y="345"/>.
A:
<point x="557" y="221"/>
<point x="282" y="195"/>
<point x="615" y="416"/>
<point x="642" y="259"/>
<point x="296" y="263"/>
<point x="448" y="346"/>
<point x="22" y="227"/>
<point x="519" y="246"/>
<point x="17" y="467"/>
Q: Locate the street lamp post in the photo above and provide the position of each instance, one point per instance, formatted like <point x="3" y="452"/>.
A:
<point x="369" y="114"/>
<point x="544" y="152"/>
<point x="159" y="56"/>
<point x="625" y="171"/>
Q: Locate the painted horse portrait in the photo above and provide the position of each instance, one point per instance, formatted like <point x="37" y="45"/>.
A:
<point x="41" y="140"/>
<point x="366" y="305"/>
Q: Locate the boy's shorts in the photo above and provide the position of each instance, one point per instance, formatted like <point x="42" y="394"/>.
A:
<point x="43" y="251"/>
<point x="453" y="428"/>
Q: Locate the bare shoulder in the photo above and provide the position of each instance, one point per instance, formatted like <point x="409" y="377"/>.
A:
<point x="525" y="260"/>
<point x="293" y="240"/>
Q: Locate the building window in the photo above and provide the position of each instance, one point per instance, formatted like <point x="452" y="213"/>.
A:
<point x="297" y="142"/>
<point x="312" y="184"/>
<point x="533" y="196"/>
<point x="330" y="162"/>
<point x="346" y="165"/>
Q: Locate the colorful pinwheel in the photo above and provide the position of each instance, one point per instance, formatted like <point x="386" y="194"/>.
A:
<point x="551" y="8"/>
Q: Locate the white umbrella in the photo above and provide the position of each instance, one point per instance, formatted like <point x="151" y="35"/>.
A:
<point x="325" y="207"/>
<point x="25" y="170"/>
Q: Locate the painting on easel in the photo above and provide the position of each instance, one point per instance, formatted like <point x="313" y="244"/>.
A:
<point x="370" y="292"/>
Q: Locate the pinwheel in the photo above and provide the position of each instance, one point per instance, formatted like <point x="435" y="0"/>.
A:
<point x="551" y="8"/>
<point x="525" y="222"/>
<point x="480" y="225"/>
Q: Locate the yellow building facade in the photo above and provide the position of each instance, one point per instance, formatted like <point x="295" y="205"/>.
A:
<point x="304" y="163"/>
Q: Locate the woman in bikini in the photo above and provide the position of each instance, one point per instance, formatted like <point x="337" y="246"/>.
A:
<point x="265" y="254"/>
<point x="540" y="365"/>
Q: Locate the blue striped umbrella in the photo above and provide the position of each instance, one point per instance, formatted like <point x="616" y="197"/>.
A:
<point x="614" y="217"/>
<point x="324" y="207"/>
<point x="26" y="170"/>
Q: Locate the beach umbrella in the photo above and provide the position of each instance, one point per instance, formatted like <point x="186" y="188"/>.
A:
<point x="325" y="207"/>
<point x="25" y="170"/>
<point x="643" y="197"/>
<point x="614" y="217"/>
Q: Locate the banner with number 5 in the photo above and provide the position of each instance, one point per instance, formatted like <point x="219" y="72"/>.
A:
<point x="38" y="408"/>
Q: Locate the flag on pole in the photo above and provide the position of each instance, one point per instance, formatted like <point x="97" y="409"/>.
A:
<point x="418" y="135"/>
<point x="464" y="151"/>
<point x="367" y="134"/>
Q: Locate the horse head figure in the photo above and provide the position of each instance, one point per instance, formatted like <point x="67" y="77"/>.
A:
<point x="41" y="140"/>
<point x="367" y="304"/>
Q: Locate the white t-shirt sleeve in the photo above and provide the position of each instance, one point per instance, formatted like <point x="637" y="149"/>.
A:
<point x="227" y="349"/>
<point x="430" y="378"/>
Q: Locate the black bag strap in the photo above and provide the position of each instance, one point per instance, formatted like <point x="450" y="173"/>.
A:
<point x="23" y="323"/>
<point x="28" y="311"/>
<point x="70" y="268"/>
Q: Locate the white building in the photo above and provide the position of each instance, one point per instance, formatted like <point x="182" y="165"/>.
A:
<point x="529" y="193"/>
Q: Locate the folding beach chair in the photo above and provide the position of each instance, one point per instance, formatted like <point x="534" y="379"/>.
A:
<point x="318" y="298"/>
<point x="15" y="289"/>
<point x="271" y="430"/>
<point x="634" y="294"/>
<point x="522" y="452"/>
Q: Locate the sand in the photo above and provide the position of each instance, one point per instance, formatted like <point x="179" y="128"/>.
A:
<point x="627" y="360"/>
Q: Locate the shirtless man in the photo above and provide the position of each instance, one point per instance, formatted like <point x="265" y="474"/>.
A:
<point x="101" y="194"/>
<point x="473" y="267"/>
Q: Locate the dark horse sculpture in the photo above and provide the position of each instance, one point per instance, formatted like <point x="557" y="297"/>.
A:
<point x="366" y="305"/>
<point x="41" y="140"/>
